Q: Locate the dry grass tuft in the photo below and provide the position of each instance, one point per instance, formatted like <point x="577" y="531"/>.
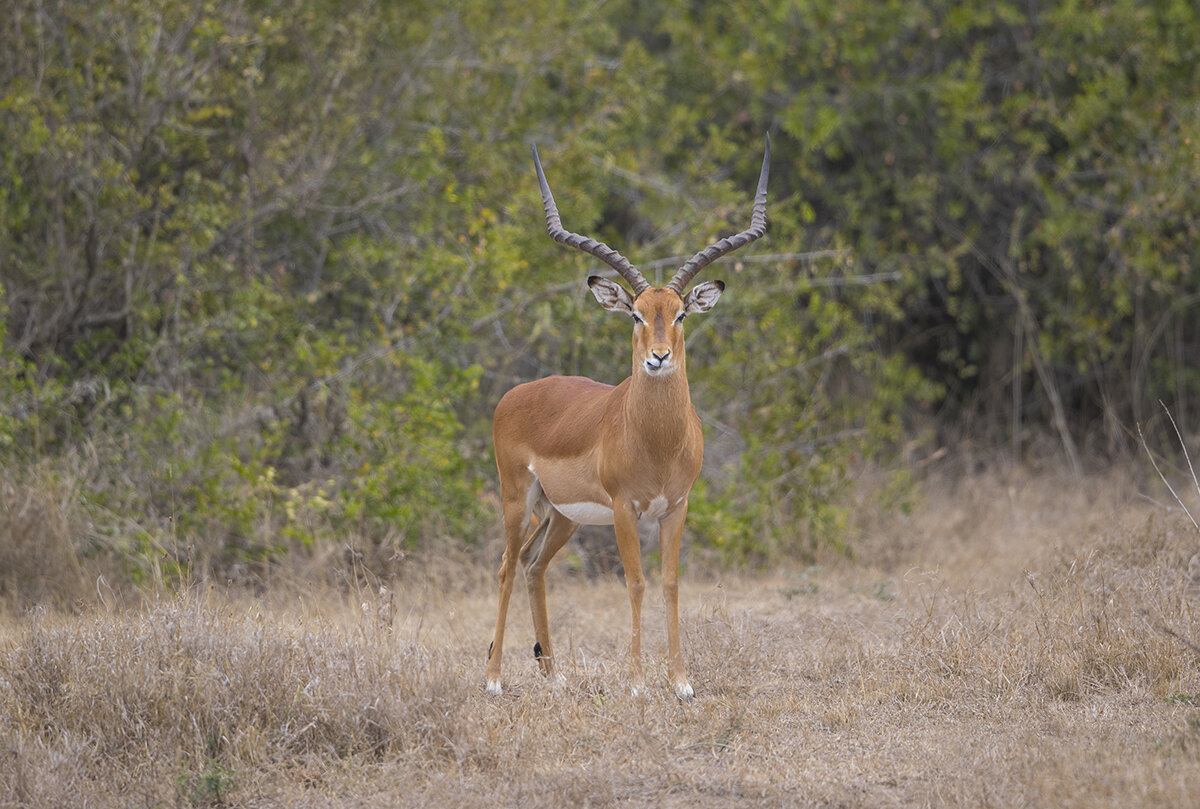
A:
<point x="196" y="685"/>
<point x="1035" y="656"/>
<point x="38" y="561"/>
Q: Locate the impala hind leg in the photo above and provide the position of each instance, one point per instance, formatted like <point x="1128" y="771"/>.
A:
<point x="552" y="534"/>
<point x="518" y="502"/>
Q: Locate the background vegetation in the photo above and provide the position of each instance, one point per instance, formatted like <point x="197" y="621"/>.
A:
<point x="267" y="266"/>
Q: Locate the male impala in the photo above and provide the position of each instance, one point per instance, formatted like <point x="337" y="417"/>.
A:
<point x="571" y="450"/>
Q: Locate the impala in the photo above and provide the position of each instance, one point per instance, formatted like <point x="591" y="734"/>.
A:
<point x="570" y="450"/>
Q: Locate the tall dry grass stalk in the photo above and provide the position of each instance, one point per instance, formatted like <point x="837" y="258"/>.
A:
<point x="1015" y="643"/>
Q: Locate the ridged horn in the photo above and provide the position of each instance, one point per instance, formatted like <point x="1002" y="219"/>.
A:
<point x="588" y="245"/>
<point x="758" y="226"/>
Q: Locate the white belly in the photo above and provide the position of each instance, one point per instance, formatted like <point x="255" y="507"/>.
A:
<point x="596" y="514"/>
<point x="586" y="513"/>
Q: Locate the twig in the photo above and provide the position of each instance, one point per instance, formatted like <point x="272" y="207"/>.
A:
<point x="1182" y="445"/>
<point x="1162" y="627"/>
<point x="765" y="258"/>
<point x="1163" y="477"/>
<point x="1169" y="631"/>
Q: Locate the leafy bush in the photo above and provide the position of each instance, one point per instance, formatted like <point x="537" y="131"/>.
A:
<point x="267" y="271"/>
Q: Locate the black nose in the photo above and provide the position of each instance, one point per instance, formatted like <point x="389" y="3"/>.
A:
<point x="661" y="358"/>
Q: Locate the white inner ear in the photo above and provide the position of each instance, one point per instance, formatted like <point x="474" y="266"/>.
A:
<point x="612" y="297"/>
<point x="703" y="297"/>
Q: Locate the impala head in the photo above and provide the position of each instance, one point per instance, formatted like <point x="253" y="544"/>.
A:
<point x="658" y="314"/>
<point x="657" y="319"/>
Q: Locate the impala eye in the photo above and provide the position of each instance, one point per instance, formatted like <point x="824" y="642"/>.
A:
<point x="681" y="316"/>
<point x="637" y="319"/>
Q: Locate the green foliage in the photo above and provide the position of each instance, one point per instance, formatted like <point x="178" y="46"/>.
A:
<point x="406" y="472"/>
<point x="792" y="364"/>
<point x="11" y="387"/>
<point x="269" y="268"/>
<point x="212" y="786"/>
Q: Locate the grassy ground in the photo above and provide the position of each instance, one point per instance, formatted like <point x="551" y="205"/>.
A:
<point x="1023" y="644"/>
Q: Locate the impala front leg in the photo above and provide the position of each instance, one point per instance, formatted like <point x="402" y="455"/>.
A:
<point x="629" y="544"/>
<point x="670" y="537"/>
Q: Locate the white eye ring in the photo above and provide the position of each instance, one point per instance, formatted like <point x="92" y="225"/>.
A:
<point x="637" y="319"/>
<point x="681" y="316"/>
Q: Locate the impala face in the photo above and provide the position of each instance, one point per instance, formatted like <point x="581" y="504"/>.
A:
<point x="658" y="347"/>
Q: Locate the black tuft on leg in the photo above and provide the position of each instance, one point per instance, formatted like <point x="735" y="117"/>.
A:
<point x="490" y="645"/>
<point x="537" y="651"/>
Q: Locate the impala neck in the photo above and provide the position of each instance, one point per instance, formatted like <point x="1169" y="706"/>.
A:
<point x="658" y="406"/>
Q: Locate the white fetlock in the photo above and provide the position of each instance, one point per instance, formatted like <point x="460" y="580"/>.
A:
<point x="684" y="691"/>
<point x="494" y="688"/>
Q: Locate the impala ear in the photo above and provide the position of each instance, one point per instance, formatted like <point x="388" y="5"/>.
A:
<point x="612" y="297"/>
<point x="703" y="296"/>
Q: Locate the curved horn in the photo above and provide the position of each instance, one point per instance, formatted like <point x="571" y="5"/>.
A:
<point x="758" y="226"/>
<point x="598" y="249"/>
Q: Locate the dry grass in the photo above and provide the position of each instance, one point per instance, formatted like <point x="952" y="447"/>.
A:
<point x="1023" y="645"/>
<point x="38" y="564"/>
